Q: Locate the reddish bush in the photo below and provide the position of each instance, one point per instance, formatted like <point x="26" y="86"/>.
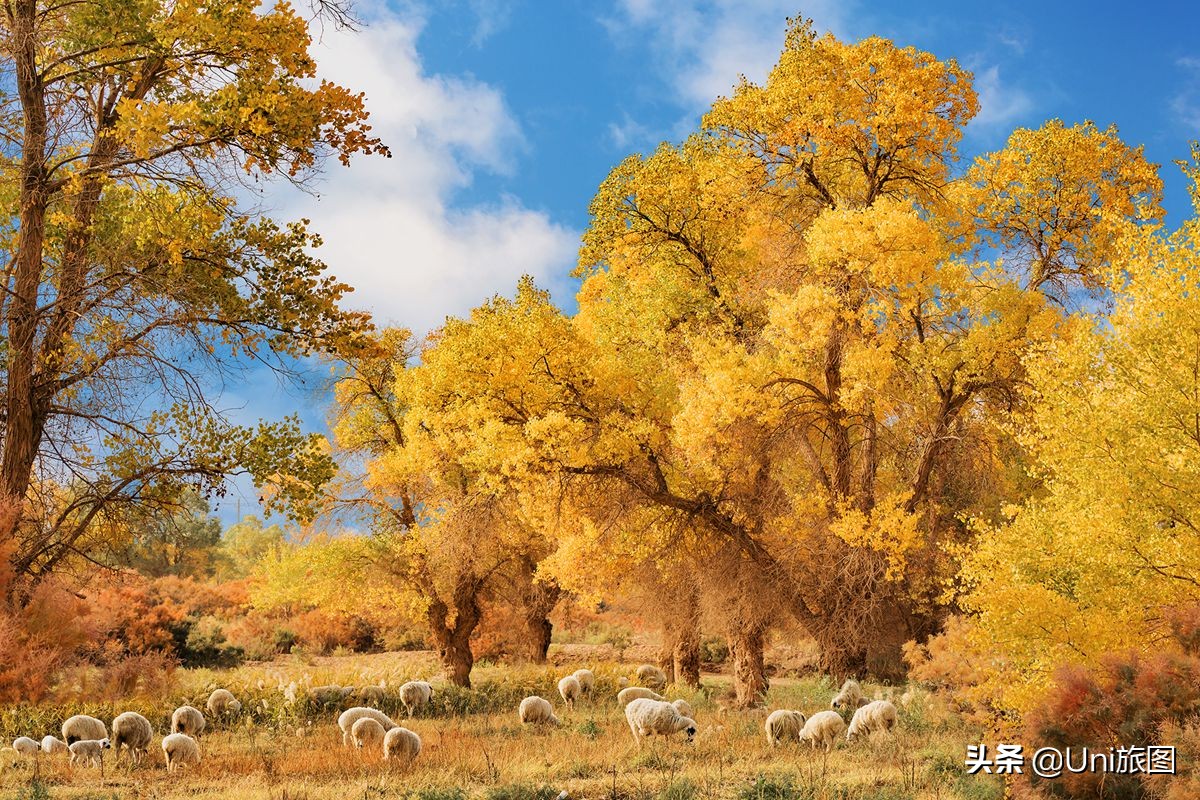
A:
<point x="40" y="638"/>
<point x="133" y="618"/>
<point x="323" y="632"/>
<point x="1128" y="701"/>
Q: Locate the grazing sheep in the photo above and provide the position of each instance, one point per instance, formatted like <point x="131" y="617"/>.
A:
<point x="570" y="689"/>
<point x="350" y="716"/>
<point x="648" y="717"/>
<point x="878" y="715"/>
<point x="26" y="746"/>
<point x="133" y="732"/>
<point x="372" y="695"/>
<point x="180" y="749"/>
<point x="849" y="696"/>
<point x="401" y="743"/>
<point x="683" y="707"/>
<point x="652" y="676"/>
<point x="415" y="694"/>
<point x="537" y="710"/>
<point x="187" y="719"/>
<point x="53" y="745"/>
<point x="586" y="679"/>
<point x="823" y="729"/>
<point x="89" y="752"/>
<point x="330" y="694"/>
<point x="631" y="693"/>
<point x="222" y="702"/>
<point x="782" y="725"/>
<point x="81" y="726"/>
<point x="367" y="732"/>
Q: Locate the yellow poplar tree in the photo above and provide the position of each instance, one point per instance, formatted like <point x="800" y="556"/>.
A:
<point x="1096" y="561"/>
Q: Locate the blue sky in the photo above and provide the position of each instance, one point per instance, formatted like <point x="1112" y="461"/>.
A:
<point x="504" y="117"/>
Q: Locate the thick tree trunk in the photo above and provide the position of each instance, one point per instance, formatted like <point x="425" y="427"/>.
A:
<point x="686" y="660"/>
<point x="538" y="601"/>
<point x="454" y="638"/>
<point x="538" y="627"/>
<point x="684" y="640"/>
<point x="22" y="428"/>
<point x="458" y="660"/>
<point x="750" y="682"/>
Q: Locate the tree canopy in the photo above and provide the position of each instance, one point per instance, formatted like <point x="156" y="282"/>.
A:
<point x="135" y="277"/>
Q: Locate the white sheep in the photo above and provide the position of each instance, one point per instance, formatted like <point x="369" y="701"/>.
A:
<point x="823" y="729"/>
<point x="586" y="679"/>
<point x="683" y="707"/>
<point x="81" y="726"/>
<point x="415" y="694"/>
<point x="648" y="717"/>
<point x="329" y="694"/>
<point x="652" y="676"/>
<point x="849" y="696"/>
<point x="631" y="693"/>
<point x="187" y="719"/>
<point x="133" y="732"/>
<point x="222" y="703"/>
<point x="53" y="745"/>
<point x="180" y="749"/>
<point x="402" y="744"/>
<point x="367" y="732"/>
<point x="89" y="752"/>
<point x="782" y="725"/>
<point x="350" y="716"/>
<point x="570" y="689"/>
<point x="372" y="695"/>
<point x="878" y="715"/>
<point x="26" y="746"/>
<point x="536" y="710"/>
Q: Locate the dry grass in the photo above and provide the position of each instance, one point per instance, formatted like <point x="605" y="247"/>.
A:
<point x="296" y="753"/>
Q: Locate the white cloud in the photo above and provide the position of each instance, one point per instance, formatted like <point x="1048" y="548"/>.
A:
<point x="491" y="17"/>
<point x="998" y="102"/>
<point x="401" y="230"/>
<point x="705" y="46"/>
<point x="1186" y="103"/>
<point x="629" y="133"/>
<point x="1015" y="41"/>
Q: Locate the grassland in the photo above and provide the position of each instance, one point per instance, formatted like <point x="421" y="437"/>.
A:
<point x="475" y="747"/>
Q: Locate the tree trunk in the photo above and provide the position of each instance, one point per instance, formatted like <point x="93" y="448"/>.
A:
<point x="750" y="682"/>
<point x="454" y="638"/>
<point x="22" y="429"/>
<point x="539" y="600"/>
<point x="685" y="640"/>
<point x="458" y="660"/>
<point x="538" y="626"/>
<point x="686" y="661"/>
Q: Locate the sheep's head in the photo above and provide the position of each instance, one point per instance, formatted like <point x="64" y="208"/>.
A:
<point x="105" y="744"/>
<point x="235" y="706"/>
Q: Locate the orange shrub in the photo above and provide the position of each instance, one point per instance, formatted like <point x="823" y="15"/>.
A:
<point x="1129" y="700"/>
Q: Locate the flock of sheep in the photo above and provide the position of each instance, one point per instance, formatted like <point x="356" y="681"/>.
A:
<point x="648" y="713"/>
<point x="86" y="738"/>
